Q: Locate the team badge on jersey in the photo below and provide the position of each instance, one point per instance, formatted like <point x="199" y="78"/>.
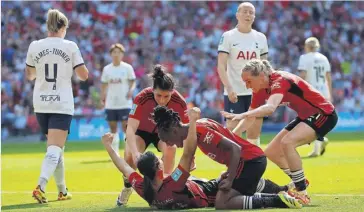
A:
<point x="133" y="109"/>
<point x="176" y="174"/>
<point x="221" y="40"/>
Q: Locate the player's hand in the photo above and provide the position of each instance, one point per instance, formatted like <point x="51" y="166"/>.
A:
<point x="107" y="139"/>
<point x="233" y="116"/>
<point x="233" y="97"/>
<point x="225" y="185"/>
<point x="193" y="113"/>
<point x="224" y="175"/>
<point x="102" y="102"/>
<point x="129" y="95"/>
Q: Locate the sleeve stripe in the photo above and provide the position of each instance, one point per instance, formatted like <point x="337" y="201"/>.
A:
<point x="78" y="65"/>
<point x="223" y="52"/>
<point x="30" y="65"/>
<point x="263" y="54"/>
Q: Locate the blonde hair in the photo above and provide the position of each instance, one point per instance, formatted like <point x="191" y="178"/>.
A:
<point x="117" y="46"/>
<point x="313" y="43"/>
<point x="56" y="20"/>
<point x="245" y="4"/>
<point x="256" y="66"/>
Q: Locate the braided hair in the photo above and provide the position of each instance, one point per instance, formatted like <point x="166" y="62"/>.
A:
<point x="161" y="79"/>
<point x="165" y="118"/>
<point x="148" y="164"/>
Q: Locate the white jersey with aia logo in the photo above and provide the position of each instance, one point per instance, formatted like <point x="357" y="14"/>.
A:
<point x="117" y="78"/>
<point x="241" y="48"/>
<point x="316" y="66"/>
<point x="54" y="60"/>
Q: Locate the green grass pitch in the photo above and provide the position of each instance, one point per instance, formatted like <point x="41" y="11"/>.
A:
<point x="337" y="178"/>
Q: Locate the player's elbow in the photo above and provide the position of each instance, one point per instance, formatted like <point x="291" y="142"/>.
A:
<point x="29" y="72"/>
<point x="82" y="72"/>
<point x="270" y="109"/>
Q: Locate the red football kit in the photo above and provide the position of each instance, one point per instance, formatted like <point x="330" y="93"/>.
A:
<point x="209" y="135"/>
<point x="144" y="105"/>
<point x="298" y="94"/>
<point x="176" y="192"/>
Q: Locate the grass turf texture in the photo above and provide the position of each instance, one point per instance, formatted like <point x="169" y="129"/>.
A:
<point x="336" y="178"/>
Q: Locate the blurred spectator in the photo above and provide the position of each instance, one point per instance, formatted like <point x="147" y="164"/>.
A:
<point x="184" y="37"/>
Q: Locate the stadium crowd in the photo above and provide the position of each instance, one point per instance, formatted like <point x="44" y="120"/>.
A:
<point x="183" y="36"/>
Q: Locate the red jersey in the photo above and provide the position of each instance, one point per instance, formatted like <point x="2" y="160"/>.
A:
<point x="176" y="192"/>
<point x="144" y="105"/>
<point x="297" y="94"/>
<point x="209" y="135"/>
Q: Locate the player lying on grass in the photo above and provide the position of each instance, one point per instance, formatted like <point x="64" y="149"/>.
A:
<point x="246" y="162"/>
<point x="177" y="191"/>
<point x="316" y="117"/>
<point x="173" y="192"/>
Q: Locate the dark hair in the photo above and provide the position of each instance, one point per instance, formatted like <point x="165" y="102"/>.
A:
<point x="165" y="118"/>
<point x="147" y="165"/>
<point x="161" y="79"/>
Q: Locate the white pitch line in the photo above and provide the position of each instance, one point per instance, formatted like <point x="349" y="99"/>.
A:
<point x="117" y="192"/>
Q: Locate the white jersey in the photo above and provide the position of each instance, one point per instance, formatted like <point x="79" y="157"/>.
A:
<point x="117" y="78"/>
<point x="316" y="66"/>
<point x="54" y="60"/>
<point x="241" y="48"/>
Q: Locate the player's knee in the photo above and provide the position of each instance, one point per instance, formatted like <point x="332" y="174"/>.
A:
<point x="113" y="127"/>
<point x="269" y="152"/>
<point x="124" y="125"/>
<point x="287" y="141"/>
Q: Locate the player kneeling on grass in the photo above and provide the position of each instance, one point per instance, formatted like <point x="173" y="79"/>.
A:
<point x="246" y="162"/>
<point x="175" y="191"/>
<point x="316" y="117"/>
<point x="140" y="132"/>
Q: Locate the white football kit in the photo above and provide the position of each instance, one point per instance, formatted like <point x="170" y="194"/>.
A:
<point x="117" y="78"/>
<point x="241" y="48"/>
<point x="54" y="59"/>
<point x="316" y="66"/>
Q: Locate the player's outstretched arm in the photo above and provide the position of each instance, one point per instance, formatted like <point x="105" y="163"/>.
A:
<point x="133" y="125"/>
<point x="264" y="110"/>
<point x="120" y="163"/>
<point x="190" y="143"/>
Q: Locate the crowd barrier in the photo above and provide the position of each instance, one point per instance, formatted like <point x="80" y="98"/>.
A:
<point x="92" y="128"/>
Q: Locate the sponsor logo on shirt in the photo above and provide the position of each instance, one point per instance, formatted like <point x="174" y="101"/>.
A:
<point x="208" y="138"/>
<point x="176" y="174"/>
<point x="211" y="155"/>
<point x="50" y="98"/>
<point x="133" y="109"/>
<point x="276" y="85"/>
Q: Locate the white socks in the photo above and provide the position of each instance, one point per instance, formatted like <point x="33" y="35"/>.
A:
<point x="49" y="165"/>
<point x="255" y="141"/>
<point x="59" y="175"/>
<point x="115" y="143"/>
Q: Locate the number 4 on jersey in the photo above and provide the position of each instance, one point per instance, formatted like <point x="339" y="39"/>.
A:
<point x="54" y="79"/>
